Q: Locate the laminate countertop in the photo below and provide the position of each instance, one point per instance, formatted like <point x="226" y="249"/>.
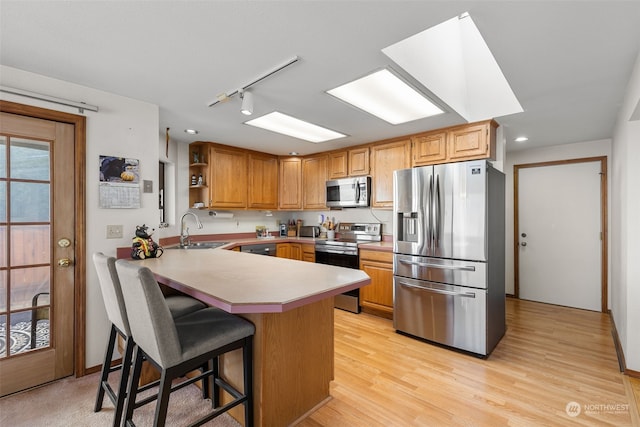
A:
<point x="248" y="283"/>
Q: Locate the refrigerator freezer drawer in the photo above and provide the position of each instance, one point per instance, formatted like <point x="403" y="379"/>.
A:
<point x="454" y="272"/>
<point x="449" y="315"/>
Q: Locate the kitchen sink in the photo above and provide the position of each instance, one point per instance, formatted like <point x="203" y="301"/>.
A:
<point x="199" y="245"/>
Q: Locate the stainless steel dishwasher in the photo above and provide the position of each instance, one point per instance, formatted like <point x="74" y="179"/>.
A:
<point x="268" y="249"/>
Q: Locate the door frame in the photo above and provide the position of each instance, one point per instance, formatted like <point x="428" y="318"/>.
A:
<point x="79" y="123"/>
<point x="604" y="238"/>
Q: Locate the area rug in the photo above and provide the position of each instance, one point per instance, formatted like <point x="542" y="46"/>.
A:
<point x="69" y="402"/>
<point x="20" y="336"/>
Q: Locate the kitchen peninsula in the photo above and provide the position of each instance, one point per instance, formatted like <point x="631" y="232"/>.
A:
<point x="291" y="305"/>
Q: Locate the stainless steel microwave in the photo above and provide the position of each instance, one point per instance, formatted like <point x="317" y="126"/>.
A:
<point x="349" y="192"/>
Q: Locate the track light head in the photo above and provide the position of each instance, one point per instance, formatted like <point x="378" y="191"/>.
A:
<point x="247" y="102"/>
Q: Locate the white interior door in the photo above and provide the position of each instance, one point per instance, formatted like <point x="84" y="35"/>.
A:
<point x="559" y="234"/>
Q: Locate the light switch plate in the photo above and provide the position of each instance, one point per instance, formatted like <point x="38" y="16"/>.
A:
<point x="114" y="231"/>
<point x="147" y="186"/>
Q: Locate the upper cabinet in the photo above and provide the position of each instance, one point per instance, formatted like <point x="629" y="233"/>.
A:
<point x="338" y="164"/>
<point x="428" y="149"/>
<point x="475" y="141"/>
<point x="290" y="183"/>
<point x="386" y="158"/>
<point x="455" y="144"/>
<point x="262" y="189"/>
<point x="231" y="178"/>
<point x="359" y="161"/>
<point x="354" y="162"/>
<point x="228" y="182"/>
<point x="314" y="179"/>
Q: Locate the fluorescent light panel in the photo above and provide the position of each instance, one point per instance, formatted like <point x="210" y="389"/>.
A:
<point x="386" y="96"/>
<point x="290" y="126"/>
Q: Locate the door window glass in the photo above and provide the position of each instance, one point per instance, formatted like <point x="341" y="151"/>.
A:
<point x="25" y="244"/>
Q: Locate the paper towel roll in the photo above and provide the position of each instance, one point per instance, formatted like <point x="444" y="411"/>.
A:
<point x="221" y="215"/>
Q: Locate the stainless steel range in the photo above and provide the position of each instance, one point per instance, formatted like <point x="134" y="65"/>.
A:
<point x="343" y="252"/>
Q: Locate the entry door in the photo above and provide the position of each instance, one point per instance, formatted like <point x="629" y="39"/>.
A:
<point x="559" y="234"/>
<point x="37" y="226"/>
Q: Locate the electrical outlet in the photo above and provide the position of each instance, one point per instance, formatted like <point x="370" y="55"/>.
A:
<point x="114" y="231"/>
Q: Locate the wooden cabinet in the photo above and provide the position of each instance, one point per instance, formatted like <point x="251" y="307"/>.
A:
<point x="346" y="163"/>
<point x="385" y="158"/>
<point x="429" y="149"/>
<point x="290" y="183"/>
<point x="377" y="297"/>
<point x="474" y="141"/>
<point x="314" y="179"/>
<point x="228" y="177"/>
<point x="199" y="166"/>
<point x="338" y="164"/>
<point x="359" y="161"/>
<point x="308" y="252"/>
<point x="262" y="190"/>
<point x="289" y="251"/>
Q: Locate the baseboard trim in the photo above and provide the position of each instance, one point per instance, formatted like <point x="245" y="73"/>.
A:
<point x="619" y="352"/>
<point x="98" y="368"/>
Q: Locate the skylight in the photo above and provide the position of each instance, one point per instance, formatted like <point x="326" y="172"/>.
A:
<point x="290" y="126"/>
<point x="386" y="96"/>
<point x="453" y="61"/>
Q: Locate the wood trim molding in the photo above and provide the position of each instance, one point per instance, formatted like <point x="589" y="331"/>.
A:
<point x="79" y="123"/>
<point x="619" y="351"/>
<point x="604" y="212"/>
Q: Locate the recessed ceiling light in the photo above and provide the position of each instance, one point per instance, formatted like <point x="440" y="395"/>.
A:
<point x="287" y="125"/>
<point x="191" y="131"/>
<point x="521" y="139"/>
<point x="386" y="96"/>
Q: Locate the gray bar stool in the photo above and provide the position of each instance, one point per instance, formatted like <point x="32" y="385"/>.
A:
<point x="178" y="346"/>
<point x="179" y="305"/>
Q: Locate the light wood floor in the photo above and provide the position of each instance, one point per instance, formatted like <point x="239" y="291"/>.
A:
<point x="550" y="356"/>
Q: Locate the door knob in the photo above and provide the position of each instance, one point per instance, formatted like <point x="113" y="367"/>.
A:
<point x="64" y="262"/>
<point x="523" y="244"/>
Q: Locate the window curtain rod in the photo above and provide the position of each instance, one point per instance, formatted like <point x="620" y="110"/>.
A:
<point x="81" y="106"/>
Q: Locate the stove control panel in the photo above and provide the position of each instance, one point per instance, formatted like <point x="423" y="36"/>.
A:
<point x="355" y="230"/>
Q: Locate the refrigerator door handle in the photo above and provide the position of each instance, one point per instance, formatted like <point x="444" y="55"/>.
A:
<point x="429" y="212"/>
<point x="436" y="212"/>
<point x="437" y="291"/>
<point x="440" y="266"/>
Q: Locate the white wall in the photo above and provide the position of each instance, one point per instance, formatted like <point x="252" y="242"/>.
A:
<point x="123" y="127"/>
<point x="625" y="251"/>
<point x="558" y="152"/>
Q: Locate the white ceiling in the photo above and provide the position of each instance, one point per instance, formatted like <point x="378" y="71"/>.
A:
<point x="568" y="62"/>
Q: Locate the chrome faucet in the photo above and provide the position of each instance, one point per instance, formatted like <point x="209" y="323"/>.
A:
<point x="184" y="232"/>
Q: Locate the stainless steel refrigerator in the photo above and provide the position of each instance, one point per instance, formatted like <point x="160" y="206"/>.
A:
<point x="449" y="237"/>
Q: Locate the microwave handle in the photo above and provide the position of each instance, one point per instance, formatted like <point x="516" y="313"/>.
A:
<point x="357" y="191"/>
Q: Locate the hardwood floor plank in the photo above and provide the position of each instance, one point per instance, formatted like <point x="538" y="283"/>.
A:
<point x="550" y="356"/>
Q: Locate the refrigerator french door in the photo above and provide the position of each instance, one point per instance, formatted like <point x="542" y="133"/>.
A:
<point x="448" y="223"/>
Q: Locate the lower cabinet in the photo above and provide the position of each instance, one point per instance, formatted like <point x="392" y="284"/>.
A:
<point x="377" y="297"/>
<point x="297" y="251"/>
<point x="308" y="252"/>
<point x="289" y="250"/>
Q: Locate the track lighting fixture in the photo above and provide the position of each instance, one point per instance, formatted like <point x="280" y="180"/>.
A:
<point x="247" y="102"/>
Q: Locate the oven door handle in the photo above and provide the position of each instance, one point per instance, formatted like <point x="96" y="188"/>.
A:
<point x="437" y="291"/>
<point x="329" y="251"/>
<point x="440" y="266"/>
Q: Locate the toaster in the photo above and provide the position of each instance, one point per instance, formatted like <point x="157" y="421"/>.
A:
<point x="309" y="231"/>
